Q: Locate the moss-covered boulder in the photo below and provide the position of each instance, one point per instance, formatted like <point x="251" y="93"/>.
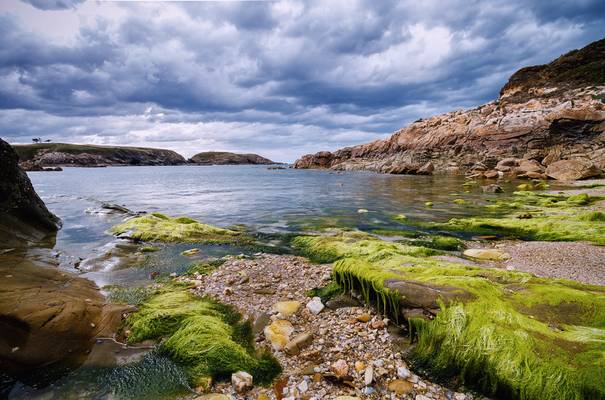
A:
<point x="207" y="338"/>
<point x="156" y="227"/>
<point x="508" y="333"/>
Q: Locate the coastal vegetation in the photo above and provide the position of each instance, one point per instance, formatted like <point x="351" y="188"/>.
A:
<point x="507" y="333"/>
<point x="156" y="227"/>
<point x="210" y="340"/>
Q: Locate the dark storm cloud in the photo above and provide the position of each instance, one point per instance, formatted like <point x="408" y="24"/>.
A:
<point x="278" y="77"/>
<point x="54" y="4"/>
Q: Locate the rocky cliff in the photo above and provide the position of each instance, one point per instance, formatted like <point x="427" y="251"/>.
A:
<point x="33" y="156"/>
<point x="548" y="120"/>
<point x="226" y="158"/>
<point x="22" y="212"/>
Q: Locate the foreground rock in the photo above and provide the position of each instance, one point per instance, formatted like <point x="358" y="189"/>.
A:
<point x="48" y="316"/>
<point x="544" y="114"/>
<point x="226" y="158"/>
<point x="86" y="155"/>
<point x="23" y="215"/>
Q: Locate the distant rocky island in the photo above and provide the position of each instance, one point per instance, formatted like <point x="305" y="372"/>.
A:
<point x="549" y="121"/>
<point x="226" y="158"/>
<point x="53" y="156"/>
<point x="36" y="156"/>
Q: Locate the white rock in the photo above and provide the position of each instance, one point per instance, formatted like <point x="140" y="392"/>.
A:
<point x="303" y="386"/>
<point x="403" y="372"/>
<point x="368" y="376"/>
<point x="241" y="381"/>
<point x="315" y="305"/>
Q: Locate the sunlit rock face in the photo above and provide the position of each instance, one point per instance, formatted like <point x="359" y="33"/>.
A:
<point x="545" y="113"/>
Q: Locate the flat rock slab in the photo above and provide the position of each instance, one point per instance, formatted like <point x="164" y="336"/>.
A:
<point x="424" y="295"/>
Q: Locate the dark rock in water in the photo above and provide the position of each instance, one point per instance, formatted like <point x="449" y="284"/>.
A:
<point x="492" y="189"/>
<point x="22" y="212"/>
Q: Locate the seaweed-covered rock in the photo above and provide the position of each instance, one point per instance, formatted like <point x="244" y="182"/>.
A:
<point x="505" y="332"/>
<point x="156" y="227"/>
<point x="22" y="212"/>
<point x="207" y="338"/>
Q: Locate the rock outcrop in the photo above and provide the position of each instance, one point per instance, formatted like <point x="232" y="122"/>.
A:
<point x="22" y="213"/>
<point x="226" y="158"/>
<point x="544" y="114"/>
<point x="37" y="156"/>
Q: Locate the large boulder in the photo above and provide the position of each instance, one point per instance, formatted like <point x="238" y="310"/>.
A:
<point x="48" y="316"/>
<point x="571" y="170"/>
<point x="22" y="212"/>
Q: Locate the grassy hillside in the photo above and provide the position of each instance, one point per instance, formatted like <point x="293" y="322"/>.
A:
<point x="28" y="151"/>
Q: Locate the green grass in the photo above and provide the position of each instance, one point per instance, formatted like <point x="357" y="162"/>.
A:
<point x="156" y="227"/>
<point x="513" y="336"/>
<point x="207" y="338"/>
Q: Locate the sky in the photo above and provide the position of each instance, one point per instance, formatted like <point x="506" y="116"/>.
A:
<point x="277" y="78"/>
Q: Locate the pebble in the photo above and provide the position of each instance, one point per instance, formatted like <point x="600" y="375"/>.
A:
<point x="315" y="305"/>
<point x="241" y="381"/>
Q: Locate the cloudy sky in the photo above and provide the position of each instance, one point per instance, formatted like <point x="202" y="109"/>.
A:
<point x="279" y="78"/>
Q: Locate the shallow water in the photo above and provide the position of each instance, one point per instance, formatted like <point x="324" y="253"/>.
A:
<point x="265" y="201"/>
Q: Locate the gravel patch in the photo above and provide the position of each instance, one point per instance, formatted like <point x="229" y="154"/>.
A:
<point x="348" y="351"/>
<point x="577" y="261"/>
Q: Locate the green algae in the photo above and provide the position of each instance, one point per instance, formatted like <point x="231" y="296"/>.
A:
<point x="156" y="227"/>
<point x="536" y="216"/>
<point x="149" y="249"/>
<point x="514" y="335"/>
<point x="128" y="295"/>
<point x="207" y="338"/>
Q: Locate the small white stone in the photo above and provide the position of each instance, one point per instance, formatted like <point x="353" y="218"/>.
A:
<point x="303" y="386"/>
<point x="403" y="372"/>
<point x="368" y="376"/>
<point x="315" y="305"/>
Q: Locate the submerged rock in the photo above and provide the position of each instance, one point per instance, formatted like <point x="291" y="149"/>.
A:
<point x="160" y="228"/>
<point x="48" y="316"/>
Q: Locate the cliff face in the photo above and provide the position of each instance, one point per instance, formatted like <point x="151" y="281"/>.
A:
<point x="226" y="158"/>
<point x="544" y="114"/>
<point x="55" y="154"/>
<point x="22" y="212"/>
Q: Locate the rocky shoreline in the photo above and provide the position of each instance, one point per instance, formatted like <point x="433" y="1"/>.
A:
<point x="549" y="120"/>
<point x="343" y="349"/>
